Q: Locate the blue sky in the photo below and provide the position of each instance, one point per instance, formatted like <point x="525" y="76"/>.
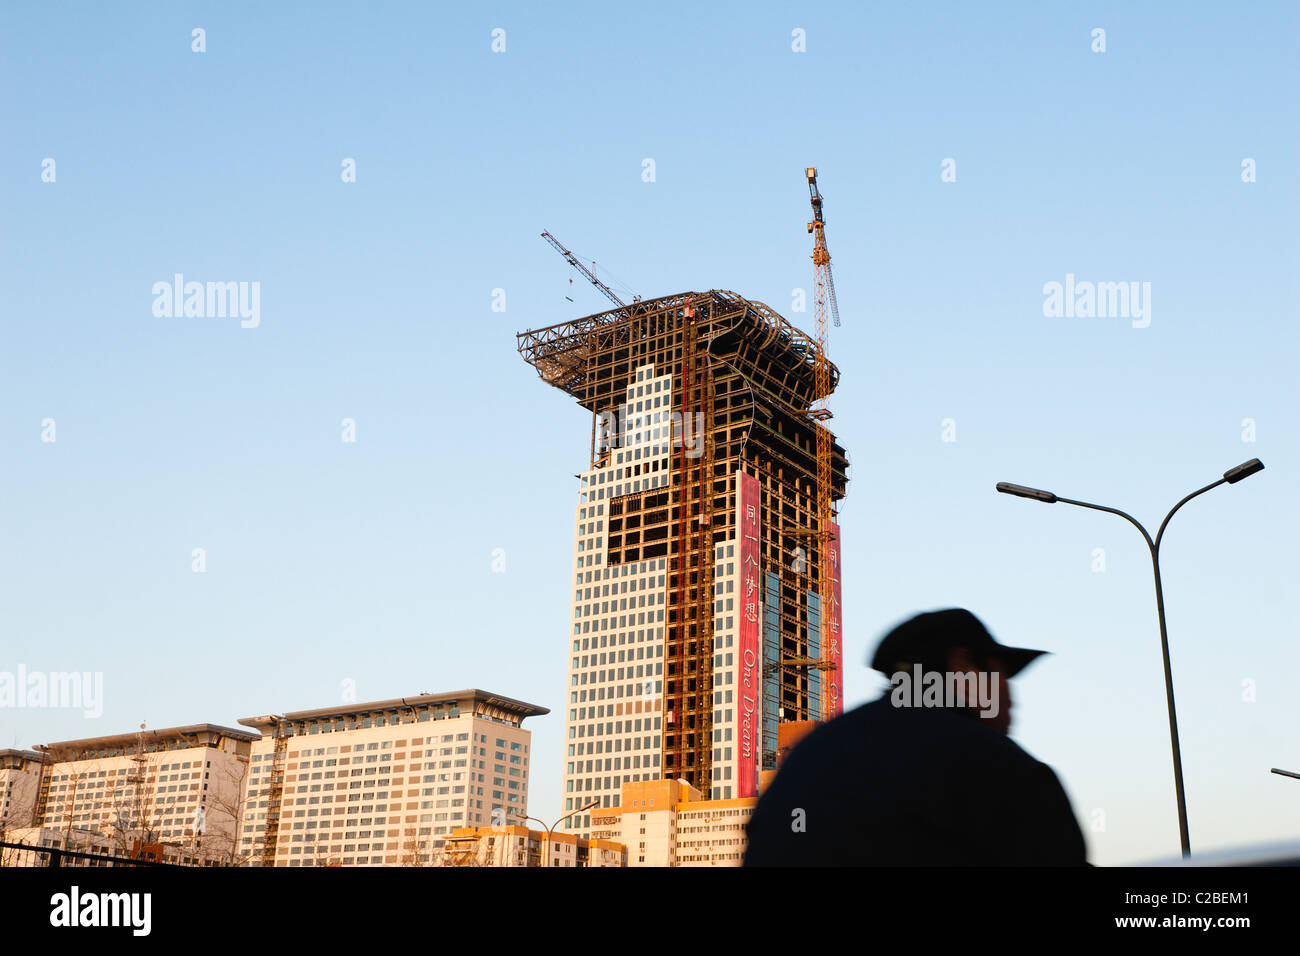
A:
<point x="372" y="561"/>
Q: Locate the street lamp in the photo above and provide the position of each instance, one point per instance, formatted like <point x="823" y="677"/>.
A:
<point x="594" y="803"/>
<point x="1231" y="477"/>
<point x="1285" y="773"/>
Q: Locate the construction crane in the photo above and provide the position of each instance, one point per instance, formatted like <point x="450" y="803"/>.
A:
<point x="824" y="293"/>
<point x="591" y="276"/>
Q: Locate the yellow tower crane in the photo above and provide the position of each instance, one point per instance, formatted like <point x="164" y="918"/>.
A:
<point x="824" y="293"/>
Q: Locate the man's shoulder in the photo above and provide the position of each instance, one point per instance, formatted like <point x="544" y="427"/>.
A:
<point x="880" y="723"/>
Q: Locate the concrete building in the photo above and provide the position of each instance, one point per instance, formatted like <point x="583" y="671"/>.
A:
<point x="696" y="624"/>
<point x="712" y="832"/>
<point x="670" y="823"/>
<point x="520" y="846"/>
<point x="384" y="783"/>
<point x="176" y="792"/>
<point x="20" y="778"/>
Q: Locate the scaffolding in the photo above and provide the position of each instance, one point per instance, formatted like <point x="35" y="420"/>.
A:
<point x="275" y="794"/>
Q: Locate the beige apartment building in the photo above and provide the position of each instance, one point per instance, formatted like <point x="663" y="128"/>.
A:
<point x="384" y="783"/>
<point x="175" y="793"/>
<point x="520" y="846"/>
<point x="669" y="823"/>
<point x="20" y="778"/>
<point x="712" y="832"/>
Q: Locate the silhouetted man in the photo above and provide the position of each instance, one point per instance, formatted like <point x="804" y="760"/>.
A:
<point x="924" y="776"/>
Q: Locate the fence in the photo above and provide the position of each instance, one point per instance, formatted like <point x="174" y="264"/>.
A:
<point x="23" y="854"/>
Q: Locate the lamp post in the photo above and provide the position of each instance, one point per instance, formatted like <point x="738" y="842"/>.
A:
<point x="1231" y="477"/>
<point x="1285" y="773"/>
<point x="594" y="803"/>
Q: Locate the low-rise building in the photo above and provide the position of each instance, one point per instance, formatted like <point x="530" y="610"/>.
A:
<point x="520" y="846"/>
<point x="669" y="823"/>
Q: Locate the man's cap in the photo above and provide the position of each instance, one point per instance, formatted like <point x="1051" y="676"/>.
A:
<point x="928" y="637"/>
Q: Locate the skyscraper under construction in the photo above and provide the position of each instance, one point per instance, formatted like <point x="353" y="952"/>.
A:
<point x="697" y="594"/>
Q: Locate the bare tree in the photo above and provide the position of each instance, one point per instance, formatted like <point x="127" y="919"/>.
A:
<point x="71" y="813"/>
<point x="18" y="819"/>
<point x="136" y="819"/>
<point x="416" y="851"/>
<point x="217" y="829"/>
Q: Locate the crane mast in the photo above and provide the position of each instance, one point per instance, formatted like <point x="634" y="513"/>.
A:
<point x="824" y="296"/>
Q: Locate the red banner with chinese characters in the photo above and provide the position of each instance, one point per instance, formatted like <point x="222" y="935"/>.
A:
<point x="834" y="678"/>
<point x="751" y="657"/>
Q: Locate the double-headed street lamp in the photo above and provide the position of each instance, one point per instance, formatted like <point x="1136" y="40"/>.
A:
<point x="594" y="803"/>
<point x="1231" y="477"/>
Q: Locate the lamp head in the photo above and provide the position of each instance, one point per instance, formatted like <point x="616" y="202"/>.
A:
<point x="1244" y="470"/>
<point x="1020" y="491"/>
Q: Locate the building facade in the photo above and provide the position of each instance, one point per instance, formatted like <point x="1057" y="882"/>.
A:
<point x="177" y="790"/>
<point x="20" y="779"/>
<point x="696" y="621"/>
<point x="670" y="823"/>
<point x="384" y="783"/>
<point x="712" y="832"/>
<point x="520" y="846"/>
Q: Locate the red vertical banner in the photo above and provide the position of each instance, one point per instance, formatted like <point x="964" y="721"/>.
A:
<point x="751" y="658"/>
<point x="834" y="679"/>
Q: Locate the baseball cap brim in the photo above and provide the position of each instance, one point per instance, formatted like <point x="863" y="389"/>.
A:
<point x="929" y="636"/>
<point x="1014" y="659"/>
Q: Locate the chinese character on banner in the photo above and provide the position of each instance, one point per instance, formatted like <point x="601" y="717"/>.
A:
<point x="749" y="499"/>
<point x="835" y="649"/>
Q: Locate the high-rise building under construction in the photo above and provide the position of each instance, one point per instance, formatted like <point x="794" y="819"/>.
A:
<point x="697" y="622"/>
